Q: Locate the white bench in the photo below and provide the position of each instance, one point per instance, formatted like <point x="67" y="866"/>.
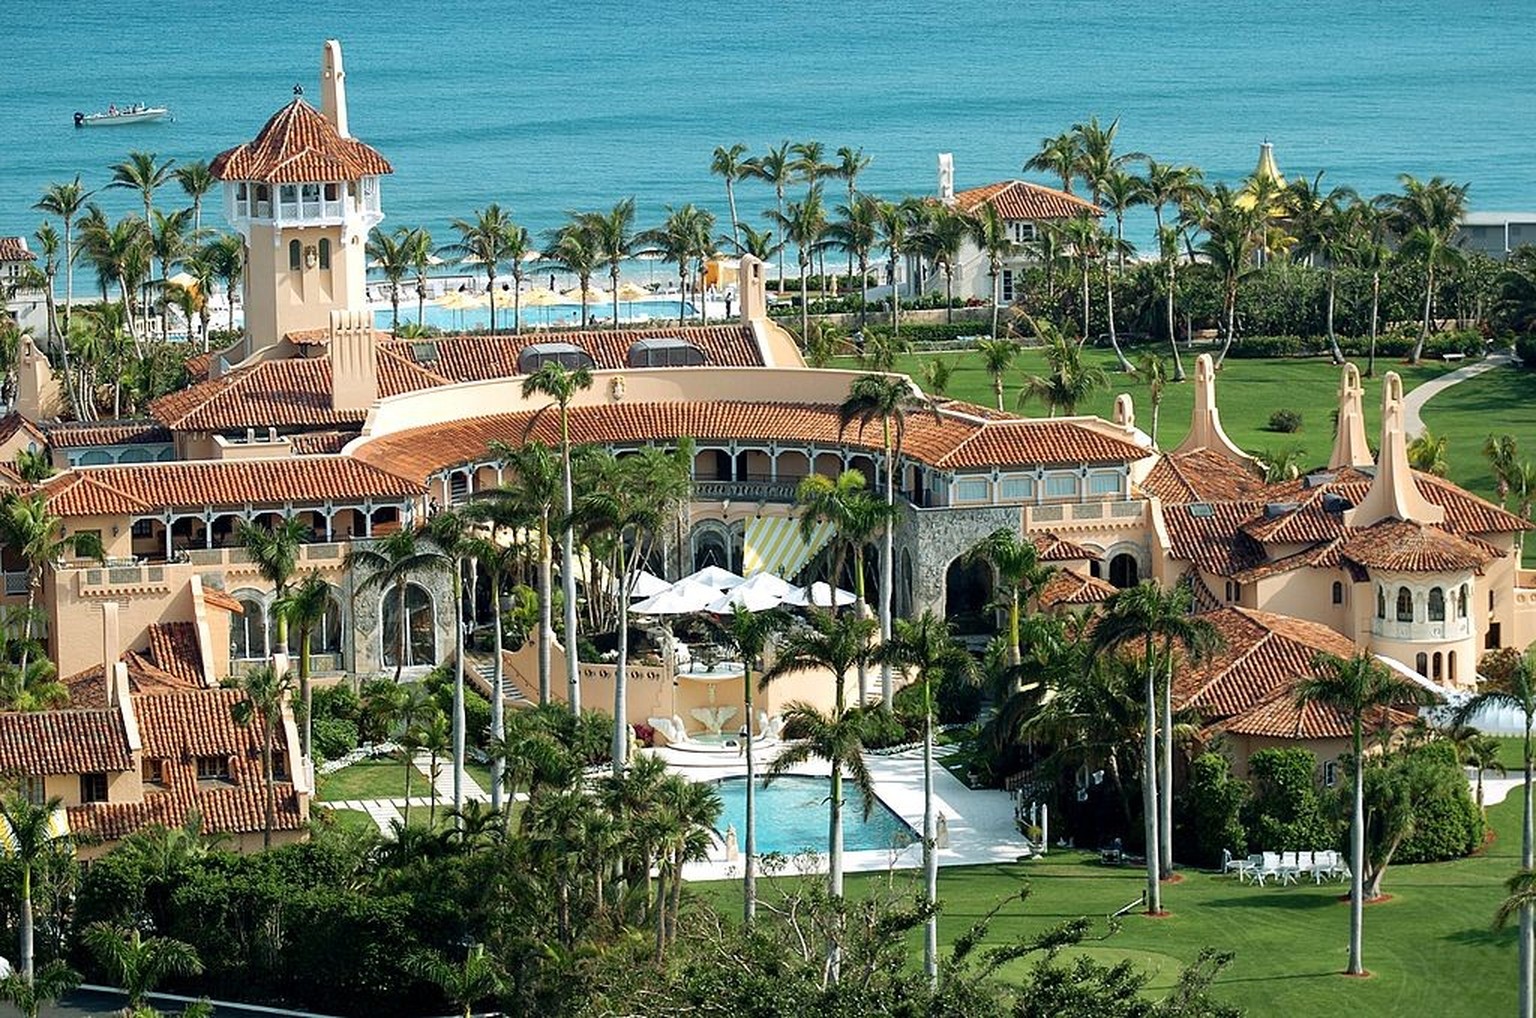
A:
<point x="1453" y="356"/>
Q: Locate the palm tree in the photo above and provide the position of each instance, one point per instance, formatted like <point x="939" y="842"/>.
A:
<point x="418" y="245"/>
<point x="533" y="497"/>
<point x="302" y="608"/>
<point x="119" y="252"/>
<point x="32" y="837"/>
<point x="561" y="384"/>
<point x="200" y="266"/>
<point x="485" y="241"/>
<point x="498" y="559"/>
<point x="266" y="691"/>
<point x="391" y="254"/>
<point x="1085" y="240"/>
<point x="1427" y="452"/>
<point x="614" y="233"/>
<point x="48" y="246"/>
<point x="748" y="632"/>
<point x="856" y="230"/>
<point x="1318" y="220"/>
<point x="37" y="535"/>
<point x="435" y="736"/>
<point x="196" y="181"/>
<point x="142" y="172"/>
<point x="850" y="163"/>
<point x="1069" y="380"/>
<point x="803" y="224"/>
<point x="275" y="554"/>
<point x="1059" y="155"/>
<point x="389" y="562"/>
<point x="28" y="994"/>
<point x="138" y="963"/>
<point x="997" y="356"/>
<point x="1355" y="687"/>
<point x="1427" y="215"/>
<point x="811" y="165"/>
<point x="1479" y="752"/>
<point x="1154" y="371"/>
<point x="928" y="648"/>
<point x="894" y="221"/>
<point x="1020" y="577"/>
<point x="573" y="247"/>
<point x="1230" y="226"/>
<point x="478" y="978"/>
<point x="685" y="236"/>
<point x="1515" y="689"/>
<point x="227" y="253"/>
<point x="944" y="238"/>
<point x="1502" y="453"/>
<point x="990" y="232"/>
<point x="406" y="711"/>
<point x="689" y="812"/>
<point x="66" y="201"/>
<point x="1169" y="184"/>
<point x="936" y="375"/>
<point x="776" y="169"/>
<point x="885" y="398"/>
<point x="1367" y="226"/>
<point x="730" y="164"/>
<point x="450" y="541"/>
<point x="1524" y="484"/>
<point x="1097" y="160"/>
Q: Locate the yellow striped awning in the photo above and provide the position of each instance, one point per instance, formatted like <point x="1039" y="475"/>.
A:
<point x="774" y="545"/>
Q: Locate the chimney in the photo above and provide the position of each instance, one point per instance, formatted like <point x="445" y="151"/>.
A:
<point x="1349" y="446"/>
<point x="753" y="284"/>
<point x="1125" y="412"/>
<point x="354" y="371"/>
<point x="1205" y="431"/>
<point x="110" y="652"/>
<point x="37" y="391"/>
<point x="1395" y="492"/>
<point x="333" y="88"/>
<point x="947" y="178"/>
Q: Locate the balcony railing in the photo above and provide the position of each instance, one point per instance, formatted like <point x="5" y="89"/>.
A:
<point x="746" y="491"/>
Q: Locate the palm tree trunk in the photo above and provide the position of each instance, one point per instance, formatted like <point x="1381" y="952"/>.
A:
<point x="404" y="638"/>
<point x="1109" y="304"/>
<point x="1429" y="299"/>
<point x="779" y="194"/>
<point x="1370" y="364"/>
<point x="34" y="583"/>
<point x="835" y="857"/>
<point x="1333" y="341"/>
<point x="69" y="274"/>
<point x="546" y="607"/>
<point x="613" y="277"/>
<point x="1149" y="786"/>
<point x="1173" y="339"/>
<point x="1084" y="338"/>
<point x="432" y="773"/>
<point x="730" y="199"/>
<point x="490" y="291"/>
<point x="930" y="846"/>
<point x="805" y="305"/>
<point x="1357" y="859"/>
<point x="1231" y="320"/>
<point x="620" y="750"/>
<point x="267" y="777"/>
<point x="27" y="952"/>
<point x="568" y="571"/>
<point x="749" y="864"/>
<point x="1165" y="814"/>
<point x="394" y="308"/>
<point x="661" y="911"/>
<point x="1527" y="846"/>
<point x="458" y="685"/>
<point x="421" y="300"/>
<point x="997" y="297"/>
<point x="498" y="695"/>
<point x="887" y="563"/>
<point x="863" y="288"/>
<point x="410" y="765"/>
<point x="305" y="695"/>
<point x="949" y="293"/>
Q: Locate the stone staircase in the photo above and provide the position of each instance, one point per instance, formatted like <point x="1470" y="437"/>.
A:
<point x="484" y="669"/>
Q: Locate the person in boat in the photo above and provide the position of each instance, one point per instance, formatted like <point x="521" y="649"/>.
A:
<point x="112" y="109"/>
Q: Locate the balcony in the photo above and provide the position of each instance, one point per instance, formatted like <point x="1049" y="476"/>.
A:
<point x="310" y="213"/>
<point x="751" y="490"/>
<point x="1440" y="631"/>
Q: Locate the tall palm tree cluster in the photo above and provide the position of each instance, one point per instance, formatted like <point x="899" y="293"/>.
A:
<point x="1229" y="232"/>
<point x="146" y="265"/>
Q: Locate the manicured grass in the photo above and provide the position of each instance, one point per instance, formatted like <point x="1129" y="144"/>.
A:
<point x="352" y="820"/>
<point x="369" y="779"/>
<point x="1429" y="948"/>
<point x="1496" y="402"/>
<point x="480" y="772"/>
<point x="1247" y="392"/>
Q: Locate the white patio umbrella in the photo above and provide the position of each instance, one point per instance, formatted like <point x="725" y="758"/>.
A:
<point x="821" y="595"/>
<point x="715" y="577"/>
<point x="759" y="593"/>
<point x="682" y="598"/>
<point x="648" y="584"/>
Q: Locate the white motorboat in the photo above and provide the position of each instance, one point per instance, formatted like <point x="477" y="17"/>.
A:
<point x="114" y="116"/>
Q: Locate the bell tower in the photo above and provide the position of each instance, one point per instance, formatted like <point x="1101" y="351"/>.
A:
<point x="303" y="194"/>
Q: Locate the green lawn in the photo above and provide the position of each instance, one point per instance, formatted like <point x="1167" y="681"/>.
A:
<point x="369" y="779"/>
<point x="1429" y="948"/>
<point x="1500" y="401"/>
<point x="353" y="820"/>
<point x="1247" y="392"/>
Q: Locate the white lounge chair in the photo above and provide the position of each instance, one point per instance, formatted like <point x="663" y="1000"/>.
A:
<point x="1290" y="867"/>
<point x="1244" y="868"/>
<point x="1269" y="866"/>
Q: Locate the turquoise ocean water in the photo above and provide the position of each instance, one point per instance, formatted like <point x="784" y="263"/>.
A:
<point x="549" y="107"/>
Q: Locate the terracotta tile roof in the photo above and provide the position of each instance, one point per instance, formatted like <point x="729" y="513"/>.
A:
<point x="13" y="422"/>
<point x="173" y="647"/>
<point x="299" y="145"/>
<point x="1405" y="547"/>
<point x="76" y="434"/>
<point x="144" y="487"/>
<point x="1262" y="652"/>
<point x="87" y="688"/>
<point x="1020" y="199"/>
<point x="71" y="741"/>
<point x="14" y="249"/>
<point x="1201" y="476"/>
<point x="1209" y="535"/>
<point x="197" y="366"/>
<point x="1279" y="716"/>
<point x="1070" y="587"/>
<point x="1322" y="556"/>
<point x="1051" y="547"/>
<point x="320" y="443"/>
<point x="473" y="358"/>
<point x="948" y="442"/>
<point x="216" y="598"/>
<point x="1311" y="520"/>
<point x="237" y="809"/>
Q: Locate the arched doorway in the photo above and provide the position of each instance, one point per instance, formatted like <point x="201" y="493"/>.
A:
<point x="420" y="637"/>
<point x="1124" y="571"/>
<point x="967" y="593"/>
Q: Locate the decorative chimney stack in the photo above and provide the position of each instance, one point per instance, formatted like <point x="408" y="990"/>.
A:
<point x="947" y="178"/>
<point x="354" y="369"/>
<point x="1205" y="431"/>
<point x="1125" y="412"/>
<point x="753" y="284"/>
<point x="1349" y="445"/>
<point x="38" y="396"/>
<point x="1395" y="492"/>
<point x="333" y="88"/>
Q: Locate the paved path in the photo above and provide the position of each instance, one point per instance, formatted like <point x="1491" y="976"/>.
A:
<point x="1414" y="401"/>
<point x="385" y="812"/>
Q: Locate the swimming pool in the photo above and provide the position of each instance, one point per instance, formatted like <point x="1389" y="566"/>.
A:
<point x="479" y="319"/>
<point x="792" y="816"/>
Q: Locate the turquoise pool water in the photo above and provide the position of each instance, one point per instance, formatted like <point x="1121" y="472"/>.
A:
<point x="479" y="319"/>
<point x="792" y="816"/>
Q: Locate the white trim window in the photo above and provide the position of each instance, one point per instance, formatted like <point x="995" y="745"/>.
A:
<point x="1061" y="486"/>
<point x="1016" y="488"/>
<point x="1005" y="288"/>
<point x="1021" y="230"/>
<point x="971" y="489"/>
<point x="1104" y="482"/>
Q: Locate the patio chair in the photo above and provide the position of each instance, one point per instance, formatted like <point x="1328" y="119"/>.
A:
<point x="1269" y="866"/>
<point x="1290" y="867"/>
<point x="1114" y="855"/>
<point x="1242" y="867"/>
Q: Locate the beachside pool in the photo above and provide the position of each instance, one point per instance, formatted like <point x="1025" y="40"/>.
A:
<point x="479" y="319"/>
<point x="792" y="816"/>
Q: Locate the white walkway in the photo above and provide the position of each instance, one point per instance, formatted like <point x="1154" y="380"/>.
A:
<point x="385" y="812"/>
<point x="1413" y="401"/>
<point x="980" y="823"/>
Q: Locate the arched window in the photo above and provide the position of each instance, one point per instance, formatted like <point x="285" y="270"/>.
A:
<point x="1439" y="661"/>
<point x="326" y="637"/>
<point x="1461" y="602"/>
<point x="1421" y="664"/>
<point x="419" y="635"/>
<point x="1450" y="666"/>
<point x="325" y="253"/>
<point x="1338" y="592"/>
<point x="1381" y="602"/>
<point x="1123" y="570"/>
<point x="1404" y="605"/>
<point x="295" y="256"/>
<point x="248" y="631"/>
<point x="1436" y="604"/>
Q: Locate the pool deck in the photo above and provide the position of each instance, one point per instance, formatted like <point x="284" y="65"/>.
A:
<point x="980" y="822"/>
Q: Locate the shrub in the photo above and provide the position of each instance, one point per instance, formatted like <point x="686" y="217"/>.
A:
<point x="333" y="737"/>
<point x="1286" y="814"/>
<point x="1446" y="822"/>
<point x="882" y="729"/>
<point x="1285" y="421"/>
<point x="477" y="709"/>
<point x="1525" y="349"/>
<point x="1213" y="805"/>
<point x="645" y="735"/>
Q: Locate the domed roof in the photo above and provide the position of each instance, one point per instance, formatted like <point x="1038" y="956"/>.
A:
<point x="299" y="145"/>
